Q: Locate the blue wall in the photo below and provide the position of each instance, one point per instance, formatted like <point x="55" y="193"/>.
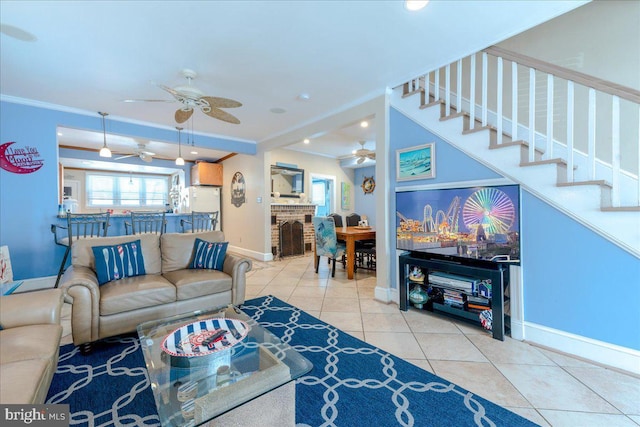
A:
<point x="28" y="202"/>
<point x="574" y="280"/>
<point x="365" y="204"/>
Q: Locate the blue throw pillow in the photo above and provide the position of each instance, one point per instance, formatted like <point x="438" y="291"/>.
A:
<point x="118" y="261"/>
<point x="209" y="255"/>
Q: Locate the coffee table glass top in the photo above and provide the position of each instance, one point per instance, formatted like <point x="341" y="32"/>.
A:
<point x="205" y="363"/>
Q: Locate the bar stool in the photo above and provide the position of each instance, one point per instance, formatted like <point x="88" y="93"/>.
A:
<point x="79" y="226"/>
<point x="149" y="222"/>
<point x="201" y="221"/>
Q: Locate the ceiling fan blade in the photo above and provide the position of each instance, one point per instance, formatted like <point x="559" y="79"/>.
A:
<point x="125" y="157"/>
<point x="222" y="115"/>
<point x="148" y="100"/>
<point x="170" y="90"/>
<point x="216" y="102"/>
<point x="182" y="115"/>
<point x="360" y="160"/>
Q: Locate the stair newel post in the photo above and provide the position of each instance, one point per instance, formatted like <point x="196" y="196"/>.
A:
<point x="548" y="152"/>
<point x="570" y="116"/>
<point x="615" y="151"/>
<point x="472" y="91"/>
<point x="532" y="114"/>
<point x="591" y="135"/>
<point x="447" y="89"/>
<point x="459" y="86"/>
<point x="499" y="100"/>
<point x="514" y="101"/>
<point x="485" y="78"/>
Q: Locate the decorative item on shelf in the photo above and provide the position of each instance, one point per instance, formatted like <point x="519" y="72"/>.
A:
<point x="416" y="274"/>
<point x="368" y="185"/>
<point x="418" y="296"/>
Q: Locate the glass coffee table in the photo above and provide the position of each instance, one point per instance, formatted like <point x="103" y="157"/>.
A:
<point x="208" y="364"/>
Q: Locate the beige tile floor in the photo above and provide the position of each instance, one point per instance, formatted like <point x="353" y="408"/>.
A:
<point x="549" y="388"/>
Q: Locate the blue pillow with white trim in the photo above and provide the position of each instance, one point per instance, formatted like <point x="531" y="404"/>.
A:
<point x="208" y="255"/>
<point x="118" y="261"/>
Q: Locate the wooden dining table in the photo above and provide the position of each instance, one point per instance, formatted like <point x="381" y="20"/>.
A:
<point x="350" y="235"/>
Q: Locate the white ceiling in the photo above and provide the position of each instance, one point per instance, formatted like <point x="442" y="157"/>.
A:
<point x="93" y="55"/>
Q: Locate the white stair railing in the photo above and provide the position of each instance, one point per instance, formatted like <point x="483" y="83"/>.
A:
<point x="587" y="123"/>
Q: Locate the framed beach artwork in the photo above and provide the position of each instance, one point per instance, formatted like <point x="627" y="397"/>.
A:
<point x="417" y="162"/>
<point x="345" y="196"/>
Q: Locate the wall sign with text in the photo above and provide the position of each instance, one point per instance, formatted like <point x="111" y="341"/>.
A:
<point x="19" y="159"/>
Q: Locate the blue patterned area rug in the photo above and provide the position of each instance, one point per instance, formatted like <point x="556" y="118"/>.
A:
<point x="352" y="383"/>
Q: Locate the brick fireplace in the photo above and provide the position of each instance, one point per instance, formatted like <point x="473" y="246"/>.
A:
<point x="282" y="213"/>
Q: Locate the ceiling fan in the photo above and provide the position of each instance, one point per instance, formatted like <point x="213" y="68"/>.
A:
<point x="191" y="98"/>
<point x="145" y="155"/>
<point x="363" y="154"/>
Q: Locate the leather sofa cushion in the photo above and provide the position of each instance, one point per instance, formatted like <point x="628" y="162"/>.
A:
<point x="177" y="248"/>
<point x="196" y="283"/>
<point x="81" y="253"/>
<point x="133" y="293"/>
<point x="23" y="381"/>
<point x="29" y="343"/>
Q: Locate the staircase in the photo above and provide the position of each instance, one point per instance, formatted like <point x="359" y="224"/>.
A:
<point x="568" y="138"/>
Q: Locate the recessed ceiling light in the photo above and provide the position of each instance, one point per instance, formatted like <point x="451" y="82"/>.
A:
<point x="194" y="152"/>
<point x="306" y="141"/>
<point x="364" y="124"/>
<point x="278" y="110"/>
<point x="59" y="133"/>
<point x="414" y="5"/>
<point x="304" y="97"/>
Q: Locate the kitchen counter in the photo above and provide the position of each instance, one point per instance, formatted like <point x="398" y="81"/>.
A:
<point x="117" y="220"/>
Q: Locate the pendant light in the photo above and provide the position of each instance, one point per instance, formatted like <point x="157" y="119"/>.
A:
<point x="104" y="151"/>
<point x="179" y="160"/>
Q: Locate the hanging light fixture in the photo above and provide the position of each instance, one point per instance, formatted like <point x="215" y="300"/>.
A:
<point x="179" y="160"/>
<point x="104" y="151"/>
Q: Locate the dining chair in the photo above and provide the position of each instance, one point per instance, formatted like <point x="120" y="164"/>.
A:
<point x="200" y="221"/>
<point x="79" y="226"/>
<point x="146" y="222"/>
<point x="324" y="229"/>
<point x="353" y="220"/>
<point x="365" y="249"/>
<point x="337" y="219"/>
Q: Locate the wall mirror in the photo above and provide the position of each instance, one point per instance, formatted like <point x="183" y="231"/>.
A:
<point x="287" y="180"/>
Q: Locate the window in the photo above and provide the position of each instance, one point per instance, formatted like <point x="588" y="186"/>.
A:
<point x="129" y="191"/>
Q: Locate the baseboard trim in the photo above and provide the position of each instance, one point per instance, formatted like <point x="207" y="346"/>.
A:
<point x="612" y="355"/>
<point x="386" y="295"/>
<point x="260" y="256"/>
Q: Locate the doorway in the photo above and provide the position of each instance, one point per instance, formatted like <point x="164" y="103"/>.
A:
<point x="322" y="194"/>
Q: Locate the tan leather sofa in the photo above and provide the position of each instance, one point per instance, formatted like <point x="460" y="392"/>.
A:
<point x="167" y="289"/>
<point x="29" y="345"/>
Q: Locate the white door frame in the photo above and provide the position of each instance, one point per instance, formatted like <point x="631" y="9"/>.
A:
<point x="332" y="178"/>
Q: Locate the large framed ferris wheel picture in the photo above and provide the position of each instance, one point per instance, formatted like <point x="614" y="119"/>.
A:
<point x="416" y="162"/>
